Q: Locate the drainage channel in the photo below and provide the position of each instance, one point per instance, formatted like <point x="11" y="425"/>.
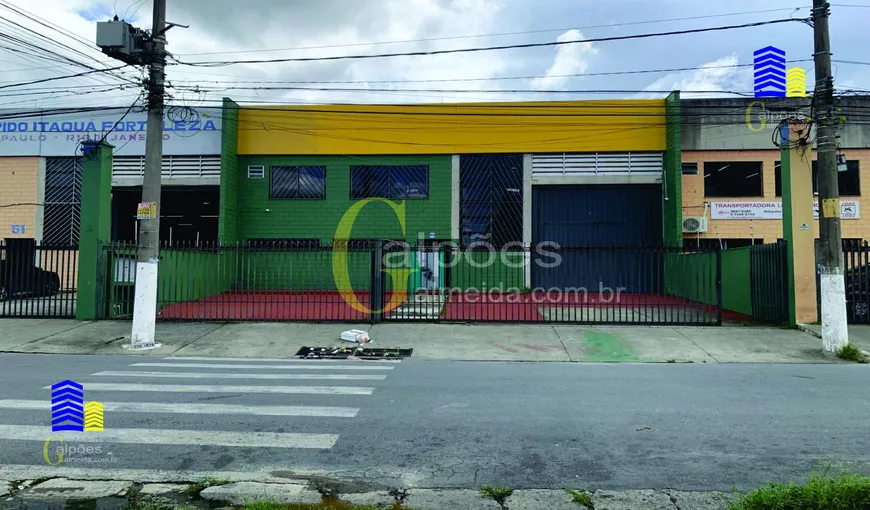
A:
<point x="354" y="353"/>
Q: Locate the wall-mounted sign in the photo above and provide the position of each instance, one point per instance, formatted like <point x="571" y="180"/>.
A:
<point x="432" y="235"/>
<point x="849" y="210"/>
<point x="746" y="210"/>
<point x="19" y="229"/>
<point x="146" y="210"/>
<point x="53" y="133"/>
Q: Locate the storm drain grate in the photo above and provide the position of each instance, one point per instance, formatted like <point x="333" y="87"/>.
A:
<point x="353" y="353"/>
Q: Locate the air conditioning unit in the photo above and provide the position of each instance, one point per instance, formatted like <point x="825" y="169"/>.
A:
<point x="695" y="225"/>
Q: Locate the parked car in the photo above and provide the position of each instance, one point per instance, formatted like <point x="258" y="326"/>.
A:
<point x="31" y="281"/>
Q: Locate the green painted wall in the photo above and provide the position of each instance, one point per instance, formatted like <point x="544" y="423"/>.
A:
<point x="228" y="222"/>
<point x="96" y="221"/>
<point x="737" y="281"/>
<point x="497" y="275"/>
<point x="672" y="208"/>
<point x="187" y="275"/>
<point x="693" y="276"/>
<point x="262" y="217"/>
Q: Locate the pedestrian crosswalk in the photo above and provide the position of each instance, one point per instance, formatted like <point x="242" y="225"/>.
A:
<point x="170" y="387"/>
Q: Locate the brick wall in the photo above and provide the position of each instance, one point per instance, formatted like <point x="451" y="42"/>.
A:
<point x="18" y="185"/>
<point x="767" y="231"/>
<point x="262" y="217"/>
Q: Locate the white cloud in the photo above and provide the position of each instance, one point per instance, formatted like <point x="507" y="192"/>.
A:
<point x="719" y="74"/>
<point x="570" y="59"/>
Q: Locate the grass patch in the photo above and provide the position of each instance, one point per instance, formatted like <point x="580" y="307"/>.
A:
<point x="195" y="488"/>
<point x="582" y="498"/>
<point x="846" y="492"/>
<point x="852" y="353"/>
<point x="497" y="494"/>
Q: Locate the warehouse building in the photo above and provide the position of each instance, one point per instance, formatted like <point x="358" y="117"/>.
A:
<point x="731" y="182"/>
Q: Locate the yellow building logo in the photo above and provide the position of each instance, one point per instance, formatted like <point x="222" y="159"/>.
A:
<point x="93" y="417"/>
<point x="340" y="270"/>
<point x="796" y="82"/>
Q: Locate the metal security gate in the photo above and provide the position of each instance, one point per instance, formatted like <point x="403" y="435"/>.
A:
<point x="37" y="281"/>
<point x="769" y="282"/>
<point x="431" y="281"/>
<point x="582" y="220"/>
<point x="856" y="258"/>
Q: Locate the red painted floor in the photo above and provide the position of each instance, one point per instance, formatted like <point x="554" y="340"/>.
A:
<point x="467" y="306"/>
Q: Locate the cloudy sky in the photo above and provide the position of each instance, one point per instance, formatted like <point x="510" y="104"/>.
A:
<point x="223" y="30"/>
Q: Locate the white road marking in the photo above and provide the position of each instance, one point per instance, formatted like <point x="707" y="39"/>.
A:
<point x="280" y="360"/>
<point x="208" y="388"/>
<point x="153" y="407"/>
<point x="178" y="437"/>
<point x="219" y="375"/>
<point x="270" y="367"/>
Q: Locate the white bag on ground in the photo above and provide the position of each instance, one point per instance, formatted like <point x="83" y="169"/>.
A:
<point x="356" y="335"/>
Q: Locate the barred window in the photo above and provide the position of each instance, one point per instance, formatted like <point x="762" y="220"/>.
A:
<point x="491" y="199"/>
<point x="299" y="182"/>
<point x="63" y="209"/>
<point x="389" y="181"/>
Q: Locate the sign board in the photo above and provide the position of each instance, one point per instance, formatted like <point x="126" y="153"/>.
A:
<point x="146" y="210"/>
<point x="49" y="133"/>
<point x="432" y="235"/>
<point x="849" y="210"/>
<point x="19" y="229"/>
<point x="746" y="211"/>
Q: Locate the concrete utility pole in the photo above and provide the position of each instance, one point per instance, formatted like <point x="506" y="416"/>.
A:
<point x="145" y="304"/>
<point x="835" y="334"/>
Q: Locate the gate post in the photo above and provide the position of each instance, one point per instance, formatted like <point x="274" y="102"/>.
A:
<point x="377" y="283"/>
<point x="96" y="221"/>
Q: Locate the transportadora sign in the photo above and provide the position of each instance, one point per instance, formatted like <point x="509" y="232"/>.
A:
<point x="849" y="210"/>
<point x="59" y="134"/>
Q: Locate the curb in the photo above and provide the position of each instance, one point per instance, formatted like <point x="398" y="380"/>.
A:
<point x="806" y="329"/>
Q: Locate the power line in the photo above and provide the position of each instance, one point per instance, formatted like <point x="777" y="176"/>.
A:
<point x="492" y="48"/>
<point x="55" y="78"/>
<point x="507" y="78"/>
<point x="62" y="31"/>
<point x="483" y="91"/>
<point x="501" y="34"/>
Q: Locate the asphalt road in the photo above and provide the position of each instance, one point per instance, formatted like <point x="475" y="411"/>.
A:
<point x="455" y="424"/>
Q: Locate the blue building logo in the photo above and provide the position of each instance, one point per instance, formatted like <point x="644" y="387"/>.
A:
<point x="69" y="411"/>
<point x="771" y="77"/>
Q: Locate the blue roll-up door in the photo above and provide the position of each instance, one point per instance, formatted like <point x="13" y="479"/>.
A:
<point x="592" y="219"/>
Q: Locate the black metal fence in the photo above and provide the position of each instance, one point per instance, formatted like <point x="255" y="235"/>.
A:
<point x="856" y="255"/>
<point x="769" y="283"/>
<point x="37" y="280"/>
<point x="377" y="280"/>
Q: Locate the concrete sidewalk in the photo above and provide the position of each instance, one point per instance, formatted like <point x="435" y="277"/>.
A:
<point x="519" y="342"/>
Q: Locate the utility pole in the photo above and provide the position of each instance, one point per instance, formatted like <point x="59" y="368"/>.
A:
<point x="835" y="334"/>
<point x="145" y="304"/>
